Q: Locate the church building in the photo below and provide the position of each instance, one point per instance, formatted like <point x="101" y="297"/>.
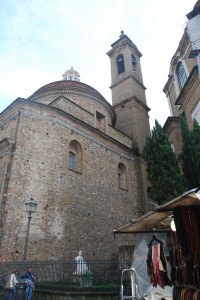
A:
<point x="77" y="156"/>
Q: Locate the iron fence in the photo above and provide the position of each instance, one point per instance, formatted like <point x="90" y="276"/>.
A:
<point x="70" y="276"/>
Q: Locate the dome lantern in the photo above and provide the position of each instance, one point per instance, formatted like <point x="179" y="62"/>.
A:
<point x="71" y="74"/>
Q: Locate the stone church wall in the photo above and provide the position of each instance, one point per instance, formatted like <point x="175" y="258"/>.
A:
<point x="75" y="210"/>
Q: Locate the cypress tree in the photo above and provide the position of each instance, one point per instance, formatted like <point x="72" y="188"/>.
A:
<point x="190" y="156"/>
<point x="185" y="157"/>
<point x="162" y="167"/>
<point x="196" y="153"/>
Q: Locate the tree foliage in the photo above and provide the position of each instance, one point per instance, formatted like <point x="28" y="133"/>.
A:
<point x="190" y="156"/>
<point x="162" y="167"/>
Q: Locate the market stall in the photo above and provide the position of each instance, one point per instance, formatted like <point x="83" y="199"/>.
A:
<point x="180" y="249"/>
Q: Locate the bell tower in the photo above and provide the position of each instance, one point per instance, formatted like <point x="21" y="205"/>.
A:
<point x="129" y="101"/>
<point x="128" y="90"/>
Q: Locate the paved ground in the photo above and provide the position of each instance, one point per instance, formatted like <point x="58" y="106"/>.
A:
<point x="20" y="296"/>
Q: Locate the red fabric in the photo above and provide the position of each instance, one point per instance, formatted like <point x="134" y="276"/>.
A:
<point x="155" y="263"/>
<point x="158" y="273"/>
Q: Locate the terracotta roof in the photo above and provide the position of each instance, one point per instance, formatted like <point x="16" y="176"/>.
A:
<point x="68" y="84"/>
<point x="72" y="86"/>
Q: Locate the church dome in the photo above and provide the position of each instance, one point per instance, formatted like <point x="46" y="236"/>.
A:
<point x="66" y="85"/>
<point x="73" y="90"/>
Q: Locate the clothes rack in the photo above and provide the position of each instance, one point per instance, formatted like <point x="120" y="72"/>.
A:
<point x="154" y="239"/>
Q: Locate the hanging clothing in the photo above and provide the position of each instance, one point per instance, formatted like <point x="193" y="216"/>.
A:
<point x="157" y="266"/>
<point x="184" y="253"/>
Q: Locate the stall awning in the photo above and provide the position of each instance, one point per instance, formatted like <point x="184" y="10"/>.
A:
<point x="160" y="219"/>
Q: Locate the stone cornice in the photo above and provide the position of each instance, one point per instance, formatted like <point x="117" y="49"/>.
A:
<point x="125" y="78"/>
<point x="168" y="84"/>
<point x="132" y="99"/>
<point x="124" y="39"/>
<point x="21" y="104"/>
<point x="168" y="124"/>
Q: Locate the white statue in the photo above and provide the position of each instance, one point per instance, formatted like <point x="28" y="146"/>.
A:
<point x="81" y="265"/>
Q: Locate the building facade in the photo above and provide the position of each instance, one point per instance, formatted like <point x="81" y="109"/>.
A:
<point x="182" y="88"/>
<point x="75" y="155"/>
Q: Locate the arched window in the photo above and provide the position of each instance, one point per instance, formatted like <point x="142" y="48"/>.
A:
<point x="122" y="180"/>
<point x="134" y="62"/>
<point x="182" y="77"/>
<point x="120" y="64"/>
<point x="71" y="160"/>
<point x="75" y="157"/>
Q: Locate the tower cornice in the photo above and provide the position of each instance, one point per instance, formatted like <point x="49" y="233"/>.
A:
<point x="124" y="39"/>
<point x="127" y="77"/>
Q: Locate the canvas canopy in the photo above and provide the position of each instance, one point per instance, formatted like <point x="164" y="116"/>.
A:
<point x="160" y="219"/>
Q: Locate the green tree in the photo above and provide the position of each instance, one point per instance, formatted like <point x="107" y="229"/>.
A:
<point x="190" y="155"/>
<point x="162" y="167"/>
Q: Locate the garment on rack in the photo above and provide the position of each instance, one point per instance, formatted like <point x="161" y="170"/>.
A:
<point x="184" y="254"/>
<point x="185" y="294"/>
<point x="181" y="232"/>
<point x="154" y="241"/>
<point x="157" y="264"/>
<point x="195" y="224"/>
<point x="187" y="221"/>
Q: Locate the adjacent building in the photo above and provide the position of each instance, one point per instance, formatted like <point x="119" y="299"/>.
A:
<point x="182" y="88"/>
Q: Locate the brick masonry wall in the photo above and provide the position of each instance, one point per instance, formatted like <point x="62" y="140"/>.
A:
<point x="75" y="211"/>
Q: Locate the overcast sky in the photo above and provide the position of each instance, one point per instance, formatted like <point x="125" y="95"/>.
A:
<point x="41" y="39"/>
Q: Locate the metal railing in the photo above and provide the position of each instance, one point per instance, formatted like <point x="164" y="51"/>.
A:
<point x="100" y="275"/>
